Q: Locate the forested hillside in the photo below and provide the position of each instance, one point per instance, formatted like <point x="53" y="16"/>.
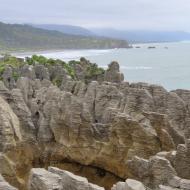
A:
<point x="14" y="37"/>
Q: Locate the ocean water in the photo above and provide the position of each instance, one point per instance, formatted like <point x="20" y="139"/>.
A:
<point x="167" y="65"/>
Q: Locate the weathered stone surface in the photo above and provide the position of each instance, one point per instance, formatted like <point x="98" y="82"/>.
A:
<point x="134" y="185"/>
<point x="28" y="71"/>
<point x="8" y="78"/>
<point x="163" y="187"/>
<point x="162" y="170"/>
<point x="182" y="162"/>
<point x="119" y="186"/>
<point x="4" y="92"/>
<point x="83" y="135"/>
<point x="41" y="179"/>
<point x="130" y="184"/>
<point x="94" y="187"/>
<point x="99" y="124"/>
<point x="168" y="103"/>
<point x="56" y="179"/>
<point x="71" y="181"/>
<point x="93" y="116"/>
<point x="185" y="184"/>
<point x="157" y="170"/>
<point x="80" y="72"/>
<point x="7" y="167"/>
<point x="113" y="74"/>
<point x="41" y="72"/>
<point x="25" y="85"/>
<point x="185" y="95"/>
<point x="22" y="111"/>
<point x="9" y="127"/>
<point x="4" y="185"/>
<point x="175" y="182"/>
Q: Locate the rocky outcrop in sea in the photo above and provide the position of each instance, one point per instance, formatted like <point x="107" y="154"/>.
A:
<point x="91" y="132"/>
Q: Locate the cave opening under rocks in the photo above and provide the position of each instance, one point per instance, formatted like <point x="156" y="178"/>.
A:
<point x="29" y="156"/>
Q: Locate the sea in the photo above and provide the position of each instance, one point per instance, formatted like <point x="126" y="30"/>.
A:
<point x="165" y="64"/>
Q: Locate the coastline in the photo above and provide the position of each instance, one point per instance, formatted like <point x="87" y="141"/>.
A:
<point x="65" y="54"/>
<point x="31" y="52"/>
<point x="161" y="65"/>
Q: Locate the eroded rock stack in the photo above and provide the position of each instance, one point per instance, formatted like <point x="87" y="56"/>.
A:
<point x="102" y="128"/>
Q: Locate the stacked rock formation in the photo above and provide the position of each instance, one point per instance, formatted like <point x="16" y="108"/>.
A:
<point x="106" y="130"/>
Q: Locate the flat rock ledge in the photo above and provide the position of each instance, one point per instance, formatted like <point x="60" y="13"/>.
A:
<point x="56" y="179"/>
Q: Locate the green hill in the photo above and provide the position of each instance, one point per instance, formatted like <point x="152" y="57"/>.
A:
<point x="66" y="29"/>
<point x="15" y="37"/>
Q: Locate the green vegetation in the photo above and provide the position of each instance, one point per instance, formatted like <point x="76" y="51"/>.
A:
<point x="90" y="70"/>
<point x="16" y="75"/>
<point x="14" y="37"/>
<point x="70" y="71"/>
<point x="10" y="60"/>
<point x="94" y="70"/>
<point x="50" y="62"/>
<point x="57" y="82"/>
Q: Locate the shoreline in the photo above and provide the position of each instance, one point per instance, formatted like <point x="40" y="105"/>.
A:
<point x="31" y="52"/>
<point x="21" y="52"/>
<point x="55" y="51"/>
<point x="65" y="55"/>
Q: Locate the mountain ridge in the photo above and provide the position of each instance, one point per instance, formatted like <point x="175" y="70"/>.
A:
<point x="15" y="37"/>
<point x="139" y="36"/>
<point x="66" y="29"/>
<point x="132" y="36"/>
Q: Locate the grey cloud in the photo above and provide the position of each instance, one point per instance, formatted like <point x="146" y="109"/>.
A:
<point x="126" y="14"/>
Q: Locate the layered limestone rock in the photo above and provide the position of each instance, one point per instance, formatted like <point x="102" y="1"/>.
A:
<point x="106" y="130"/>
<point x="113" y="74"/>
<point x="40" y="179"/>
<point x="129" y="185"/>
<point x="182" y="162"/>
<point x="153" y="172"/>
<point x="56" y="179"/>
<point x="5" y="185"/>
<point x="160" y="171"/>
<point x="8" y="77"/>
<point x="9" y="127"/>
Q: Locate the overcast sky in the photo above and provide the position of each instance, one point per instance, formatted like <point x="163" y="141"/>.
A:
<point x="122" y="14"/>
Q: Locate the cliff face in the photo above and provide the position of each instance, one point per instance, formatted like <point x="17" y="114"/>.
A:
<point x="106" y="130"/>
